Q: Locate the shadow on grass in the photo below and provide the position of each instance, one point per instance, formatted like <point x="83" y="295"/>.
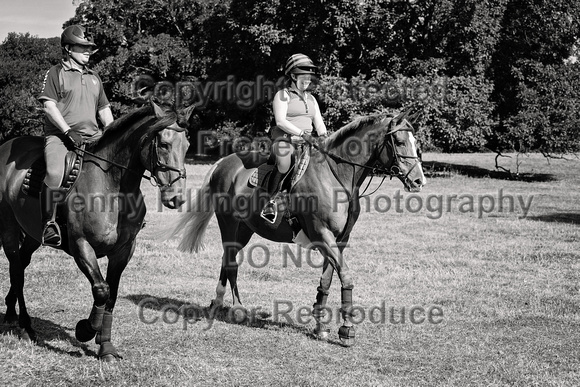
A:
<point x="47" y="331"/>
<point x="231" y="315"/>
<point x="566" y="217"/>
<point x="439" y="169"/>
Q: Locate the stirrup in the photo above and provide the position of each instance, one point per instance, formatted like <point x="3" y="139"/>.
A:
<point x="270" y="216"/>
<point x="53" y="240"/>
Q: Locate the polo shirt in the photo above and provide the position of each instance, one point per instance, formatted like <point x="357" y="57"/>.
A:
<point x="78" y="95"/>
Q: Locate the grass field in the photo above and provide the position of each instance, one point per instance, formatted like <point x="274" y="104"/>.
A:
<point x="504" y="277"/>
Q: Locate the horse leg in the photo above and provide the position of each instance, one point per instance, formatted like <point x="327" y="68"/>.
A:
<point x="117" y="264"/>
<point x="332" y="252"/>
<point x="18" y="258"/>
<point x="235" y="235"/>
<point x="319" y="311"/>
<point x="86" y="261"/>
<point x="29" y="246"/>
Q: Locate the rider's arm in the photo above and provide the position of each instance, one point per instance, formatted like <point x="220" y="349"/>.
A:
<point x="49" y="96"/>
<point x="55" y="116"/>
<point x="317" y="121"/>
<point x="105" y="115"/>
<point x="280" y="106"/>
<point x="103" y="106"/>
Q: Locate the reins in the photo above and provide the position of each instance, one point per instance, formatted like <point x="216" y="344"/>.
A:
<point x="373" y="170"/>
<point x="80" y="151"/>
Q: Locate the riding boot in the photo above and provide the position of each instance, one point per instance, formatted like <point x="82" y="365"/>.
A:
<point x="273" y="207"/>
<point x="49" y="199"/>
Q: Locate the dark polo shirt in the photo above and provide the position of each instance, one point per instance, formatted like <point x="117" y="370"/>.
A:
<point x="78" y="95"/>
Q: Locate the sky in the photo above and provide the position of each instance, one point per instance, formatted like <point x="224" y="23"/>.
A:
<point x="43" y="18"/>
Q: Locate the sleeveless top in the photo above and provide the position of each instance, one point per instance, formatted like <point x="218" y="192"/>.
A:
<point x="300" y="111"/>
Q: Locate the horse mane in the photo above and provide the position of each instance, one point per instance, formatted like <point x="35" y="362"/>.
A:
<point x="357" y="124"/>
<point x="124" y="127"/>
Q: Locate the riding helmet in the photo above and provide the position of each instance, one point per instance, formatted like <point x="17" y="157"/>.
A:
<point x="76" y="34"/>
<point x="299" y="64"/>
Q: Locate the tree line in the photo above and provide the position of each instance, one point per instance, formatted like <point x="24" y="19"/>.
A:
<point x="495" y="75"/>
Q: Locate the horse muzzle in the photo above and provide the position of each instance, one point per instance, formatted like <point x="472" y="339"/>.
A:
<point x="172" y="197"/>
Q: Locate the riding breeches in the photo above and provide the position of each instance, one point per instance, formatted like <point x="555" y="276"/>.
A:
<point x="54" y="155"/>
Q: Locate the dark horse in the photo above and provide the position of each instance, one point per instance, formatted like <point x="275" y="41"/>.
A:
<point x="337" y="168"/>
<point x="103" y="212"/>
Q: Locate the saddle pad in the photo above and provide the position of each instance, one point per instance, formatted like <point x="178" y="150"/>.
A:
<point x="257" y="177"/>
<point x="34" y="179"/>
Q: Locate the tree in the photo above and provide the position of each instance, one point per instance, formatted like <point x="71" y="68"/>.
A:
<point x="25" y="60"/>
<point x="548" y="105"/>
<point x="535" y="35"/>
<point x="496" y="60"/>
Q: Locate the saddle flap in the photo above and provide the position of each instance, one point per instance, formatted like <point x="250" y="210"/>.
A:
<point x="73" y="164"/>
<point x="259" y="178"/>
<point x="34" y="179"/>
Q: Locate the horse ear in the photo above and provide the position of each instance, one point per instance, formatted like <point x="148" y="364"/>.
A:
<point x="400" y="117"/>
<point x="416" y="117"/>
<point x="187" y="112"/>
<point x="157" y="109"/>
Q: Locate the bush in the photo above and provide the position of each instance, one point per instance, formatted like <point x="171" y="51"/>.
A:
<point x="548" y="118"/>
<point x="455" y="113"/>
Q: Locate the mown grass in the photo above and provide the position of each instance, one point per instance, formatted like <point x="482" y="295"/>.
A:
<point x="508" y="286"/>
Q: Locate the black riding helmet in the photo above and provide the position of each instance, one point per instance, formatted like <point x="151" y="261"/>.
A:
<point x="76" y="34"/>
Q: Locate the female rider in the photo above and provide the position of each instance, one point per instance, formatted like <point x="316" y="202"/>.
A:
<point x="296" y="113"/>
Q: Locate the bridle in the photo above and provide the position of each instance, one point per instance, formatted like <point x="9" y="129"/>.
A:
<point x="395" y="171"/>
<point x="154" y="166"/>
<point x="392" y="171"/>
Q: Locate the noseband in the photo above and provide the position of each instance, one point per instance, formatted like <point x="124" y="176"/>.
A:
<point x="394" y="170"/>
<point x="155" y="165"/>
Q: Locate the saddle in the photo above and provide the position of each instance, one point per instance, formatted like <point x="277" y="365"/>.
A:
<point x="34" y="179"/>
<point x="261" y="176"/>
<point x="261" y="181"/>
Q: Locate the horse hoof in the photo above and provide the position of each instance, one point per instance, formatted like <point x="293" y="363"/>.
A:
<point x="322" y="334"/>
<point x="84" y="332"/>
<point x="238" y="314"/>
<point x="107" y="358"/>
<point x="108" y="352"/>
<point x="27" y="334"/>
<point x="346" y="335"/>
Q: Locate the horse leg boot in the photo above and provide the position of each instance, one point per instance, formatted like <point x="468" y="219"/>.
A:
<point x="107" y="351"/>
<point x="87" y="329"/>
<point x="49" y="199"/>
<point x="319" y="311"/>
<point x="346" y="333"/>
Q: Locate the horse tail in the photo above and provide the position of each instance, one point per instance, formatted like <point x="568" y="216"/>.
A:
<point x="192" y="224"/>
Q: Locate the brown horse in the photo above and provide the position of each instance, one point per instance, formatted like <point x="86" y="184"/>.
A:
<point x="102" y="214"/>
<point x="338" y="166"/>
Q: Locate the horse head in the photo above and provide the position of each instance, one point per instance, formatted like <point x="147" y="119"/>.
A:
<point x="163" y="153"/>
<point x="399" y="154"/>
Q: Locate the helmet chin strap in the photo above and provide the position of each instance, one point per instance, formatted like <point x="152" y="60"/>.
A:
<point x="78" y="64"/>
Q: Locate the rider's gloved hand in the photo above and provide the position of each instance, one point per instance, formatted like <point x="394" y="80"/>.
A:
<point x="308" y="138"/>
<point x="74" y="138"/>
